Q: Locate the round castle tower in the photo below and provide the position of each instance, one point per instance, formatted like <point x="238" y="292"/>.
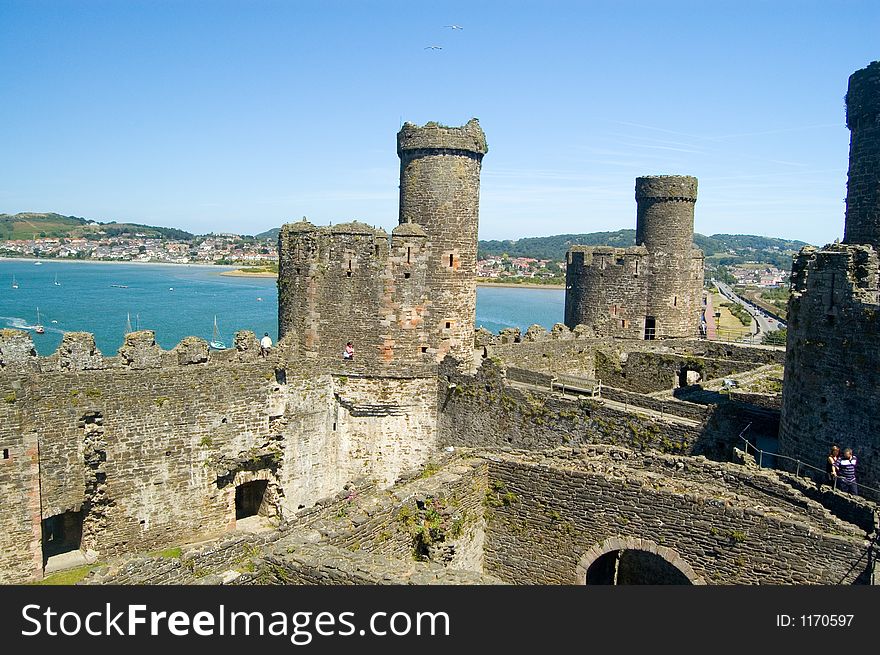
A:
<point x="863" y="186"/>
<point x="665" y="226"/>
<point x="831" y="393"/>
<point x="440" y="191"/>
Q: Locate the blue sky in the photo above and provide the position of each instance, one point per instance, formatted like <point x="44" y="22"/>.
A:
<point x="238" y="116"/>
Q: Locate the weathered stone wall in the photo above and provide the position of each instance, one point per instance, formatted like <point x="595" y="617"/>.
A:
<point x="484" y="411"/>
<point x="550" y="520"/>
<point x="20" y="552"/>
<point x="863" y="184"/>
<point x="151" y="446"/>
<point x="572" y="357"/>
<point x="648" y="372"/>
<point x="831" y="392"/>
<point x="440" y="192"/>
<point x="607" y="290"/>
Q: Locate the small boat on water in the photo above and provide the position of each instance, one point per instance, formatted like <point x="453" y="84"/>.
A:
<point x="38" y="328"/>
<point x="216" y="343"/>
<point x="56" y="282"/>
<point x="14" y="283"/>
<point x="120" y="286"/>
<point x="38" y="263"/>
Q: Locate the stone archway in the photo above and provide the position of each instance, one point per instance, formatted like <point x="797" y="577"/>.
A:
<point x="628" y="560"/>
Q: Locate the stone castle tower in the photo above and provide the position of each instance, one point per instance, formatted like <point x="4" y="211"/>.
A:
<point x="410" y="299"/>
<point x="832" y="368"/>
<point x="652" y="290"/>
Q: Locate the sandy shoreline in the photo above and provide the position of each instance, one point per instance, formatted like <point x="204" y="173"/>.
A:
<point x="240" y="273"/>
<point x="218" y="267"/>
<point x="524" y="285"/>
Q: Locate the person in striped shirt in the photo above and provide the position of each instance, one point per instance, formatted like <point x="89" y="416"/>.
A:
<point x="846" y="472"/>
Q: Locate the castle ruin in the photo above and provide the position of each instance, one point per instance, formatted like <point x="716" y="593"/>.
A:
<point x="652" y="290"/>
<point x="832" y="372"/>
<point x="439" y="455"/>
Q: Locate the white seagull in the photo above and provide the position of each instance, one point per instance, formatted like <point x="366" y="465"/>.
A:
<point x="433" y="47"/>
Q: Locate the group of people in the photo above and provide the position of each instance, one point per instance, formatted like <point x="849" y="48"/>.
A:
<point x="266" y="347"/>
<point x="841" y="469"/>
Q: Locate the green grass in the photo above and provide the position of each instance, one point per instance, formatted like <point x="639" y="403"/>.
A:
<point x="168" y="553"/>
<point x="69" y="577"/>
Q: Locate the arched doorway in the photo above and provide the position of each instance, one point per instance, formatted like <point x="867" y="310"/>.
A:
<point x="627" y="561"/>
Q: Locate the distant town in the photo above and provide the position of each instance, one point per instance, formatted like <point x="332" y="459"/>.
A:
<point x="140" y="247"/>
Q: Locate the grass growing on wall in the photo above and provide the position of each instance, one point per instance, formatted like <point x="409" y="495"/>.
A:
<point x="68" y="577"/>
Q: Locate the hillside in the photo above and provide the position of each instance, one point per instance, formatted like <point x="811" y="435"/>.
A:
<point x="720" y="249"/>
<point x="27" y="224"/>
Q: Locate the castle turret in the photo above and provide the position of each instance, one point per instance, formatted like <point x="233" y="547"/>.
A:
<point x="832" y="365"/>
<point x="665" y="226"/>
<point x="440" y="191"/>
<point x="863" y="185"/>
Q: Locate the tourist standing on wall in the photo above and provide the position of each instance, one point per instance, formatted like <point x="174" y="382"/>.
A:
<point x="265" y="344"/>
<point x="846" y="472"/>
<point x="831" y="465"/>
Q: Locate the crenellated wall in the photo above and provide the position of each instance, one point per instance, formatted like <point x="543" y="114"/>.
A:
<point x="607" y="290"/>
<point x="651" y="291"/>
<point x="149" y="446"/>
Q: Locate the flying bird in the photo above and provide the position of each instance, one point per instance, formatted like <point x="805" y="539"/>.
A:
<point x="454" y="27"/>
<point x="433" y="47"/>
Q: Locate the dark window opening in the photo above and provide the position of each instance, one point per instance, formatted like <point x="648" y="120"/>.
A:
<point x="450" y="261"/>
<point x="281" y="375"/>
<point x="349" y="264"/>
<point x="62" y="533"/>
<point x="407" y="255"/>
<point x="624" y="323"/>
<point x="406" y="276"/>
<point x="348" y="273"/>
<point x="167" y="453"/>
<point x="297" y="271"/>
<point x="424" y="349"/>
<point x="448" y="324"/>
<point x="334" y="427"/>
<point x="249" y="498"/>
<point x="637" y="269"/>
<point x="6" y="453"/>
<point x="650" y="328"/>
<point x="620" y="261"/>
<point x="675" y="301"/>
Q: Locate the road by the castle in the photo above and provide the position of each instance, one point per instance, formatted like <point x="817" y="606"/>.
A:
<point x="765" y="323"/>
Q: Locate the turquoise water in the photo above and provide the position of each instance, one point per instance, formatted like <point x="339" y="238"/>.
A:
<point x="179" y="301"/>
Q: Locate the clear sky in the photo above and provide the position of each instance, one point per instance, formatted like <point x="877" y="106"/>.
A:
<point x="239" y="116"/>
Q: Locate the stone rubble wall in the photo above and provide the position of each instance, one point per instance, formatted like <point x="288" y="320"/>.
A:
<point x="547" y="518"/>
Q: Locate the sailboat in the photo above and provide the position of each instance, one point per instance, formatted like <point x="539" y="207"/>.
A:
<point x="216" y="343"/>
<point x="38" y="328"/>
<point x="14" y="283"/>
<point x="56" y="282"/>
<point x="128" y="324"/>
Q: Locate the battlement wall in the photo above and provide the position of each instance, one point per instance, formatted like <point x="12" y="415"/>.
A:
<point x="148" y="448"/>
<point x="607" y="290"/>
<point x="352" y="283"/>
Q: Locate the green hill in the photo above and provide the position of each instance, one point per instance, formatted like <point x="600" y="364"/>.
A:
<point x="720" y="249"/>
<point x="27" y="224"/>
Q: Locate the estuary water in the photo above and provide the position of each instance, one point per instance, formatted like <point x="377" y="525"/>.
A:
<point x="182" y="300"/>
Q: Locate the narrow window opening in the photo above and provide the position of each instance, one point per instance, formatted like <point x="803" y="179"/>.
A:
<point x="348" y="274"/>
<point x="349" y="264"/>
<point x="424" y="349"/>
<point x="406" y="276"/>
<point x="448" y="324"/>
<point x="650" y="328"/>
<point x="407" y="255"/>
<point x="6" y="453"/>
<point x="675" y="301"/>
<point x="450" y="260"/>
<point x="334" y="427"/>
